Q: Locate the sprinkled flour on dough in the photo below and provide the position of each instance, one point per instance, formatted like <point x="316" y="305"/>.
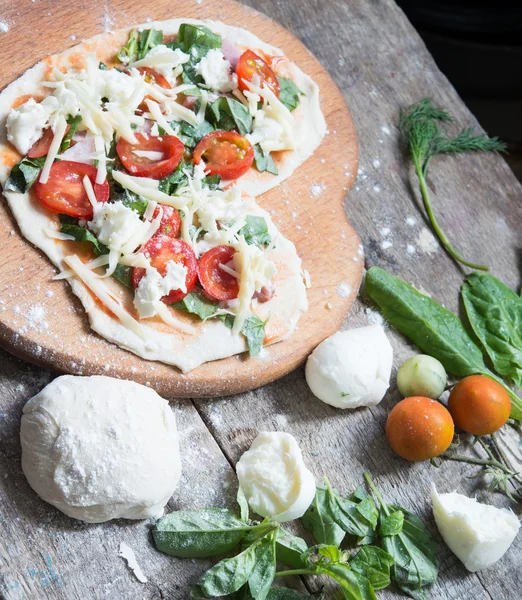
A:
<point x="127" y="553"/>
<point x="427" y="241"/>
<point x="317" y="189"/>
<point x="4" y="26"/>
<point x="344" y="289"/>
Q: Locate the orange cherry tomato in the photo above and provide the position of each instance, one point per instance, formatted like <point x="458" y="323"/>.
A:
<point x="250" y="65"/>
<point x="169" y="146"/>
<point x="218" y="283"/>
<point x="479" y="405"/>
<point x="419" y="428"/>
<point x="65" y="193"/>
<point x="226" y="153"/>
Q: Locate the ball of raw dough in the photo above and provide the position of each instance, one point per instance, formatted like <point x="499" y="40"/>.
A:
<point x="351" y="368"/>
<point x="99" y="448"/>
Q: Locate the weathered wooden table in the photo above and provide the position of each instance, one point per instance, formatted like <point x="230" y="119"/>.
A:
<point x="380" y="63"/>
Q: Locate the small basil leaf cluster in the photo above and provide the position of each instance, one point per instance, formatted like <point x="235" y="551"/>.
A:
<point x="392" y="546"/>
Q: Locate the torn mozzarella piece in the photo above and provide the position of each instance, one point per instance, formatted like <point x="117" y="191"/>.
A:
<point x="26" y="123"/>
<point x="152" y="287"/>
<point x="274" y="478"/>
<point x="216" y="71"/>
<point x="351" y="368"/>
<point x="163" y="59"/>
<point x="478" y="534"/>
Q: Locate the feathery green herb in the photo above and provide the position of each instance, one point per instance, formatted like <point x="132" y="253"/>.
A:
<point x="421" y="124"/>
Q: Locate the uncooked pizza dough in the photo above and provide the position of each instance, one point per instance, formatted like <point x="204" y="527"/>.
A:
<point x="99" y="448"/>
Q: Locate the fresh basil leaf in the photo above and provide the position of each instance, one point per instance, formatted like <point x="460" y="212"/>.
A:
<point x="191" y="135"/>
<point x="103" y="67"/>
<point x="129" y="52"/>
<point x="226" y="114"/>
<point x="374" y="564"/>
<point x="123" y="274"/>
<point x="199" y="533"/>
<point x="288" y="594"/>
<point x="243" y="504"/>
<point x="323" y="554"/>
<point x="197" y="304"/>
<point x="357" y="517"/>
<point x="82" y="234"/>
<point x="392" y="524"/>
<point x="148" y="39"/>
<point x="255" y="231"/>
<point x="495" y="314"/>
<point x="230" y="574"/>
<point x="320" y="521"/>
<point x="73" y="123"/>
<point x="197" y="35"/>
<point x="289" y="93"/>
<point x="433" y="328"/>
<point x="211" y="181"/>
<point x="415" y="569"/>
<point x="24" y="174"/>
<point x="228" y="320"/>
<point x="254" y="331"/>
<point x="177" y="179"/>
<point x="133" y="201"/>
<point x="354" y="585"/>
<point x="290" y="548"/>
<point x="264" y="162"/>
<point x="264" y="570"/>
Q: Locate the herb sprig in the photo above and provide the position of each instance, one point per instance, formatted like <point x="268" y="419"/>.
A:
<point x="391" y="545"/>
<point x="421" y="125"/>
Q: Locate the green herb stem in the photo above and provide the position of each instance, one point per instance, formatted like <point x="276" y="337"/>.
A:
<point x="421" y="174"/>
<point x="374" y="489"/>
<point x="291" y="572"/>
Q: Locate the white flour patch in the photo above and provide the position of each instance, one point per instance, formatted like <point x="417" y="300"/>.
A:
<point x="385" y="231"/>
<point x="35" y="318"/>
<point x="386" y="244"/>
<point x="4" y="26"/>
<point x="376" y="163"/>
<point x="281" y="421"/>
<point x="72" y="37"/>
<point x="317" y="190"/>
<point x="411" y="249"/>
<point x="127" y="553"/>
<point x="385" y="130"/>
<point x="374" y="318"/>
<point x="411" y="221"/>
<point x="107" y="20"/>
<point x="344" y="290"/>
<point x="427" y="242"/>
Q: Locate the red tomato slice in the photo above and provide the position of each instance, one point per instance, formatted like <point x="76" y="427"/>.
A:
<point x="161" y="249"/>
<point x="216" y="282"/>
<point x="249" y="65"/>
<point x="65" y="193"/>
<point x="41" y="147"/>
<point x="170" y="147"/>
<point x="170" y="221"/>
<point x="225" y="153"/>
<point x="152" y="76"/>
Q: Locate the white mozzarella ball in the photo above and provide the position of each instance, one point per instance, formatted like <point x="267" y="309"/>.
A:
<point x="99" y="448"/>
<point x="274" y="478"/>
<point x="351" y="368"/>
<point x="478" y="534"/>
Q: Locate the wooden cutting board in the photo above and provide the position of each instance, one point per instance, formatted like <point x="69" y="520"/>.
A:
<point x="43" y="322"/>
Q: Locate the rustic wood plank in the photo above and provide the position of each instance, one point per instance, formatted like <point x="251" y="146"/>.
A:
<point x="373" y="42"/>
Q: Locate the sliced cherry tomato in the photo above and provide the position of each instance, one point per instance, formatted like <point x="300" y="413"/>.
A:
<point x="170" y="221"/>
<point x="249" y="65"/>
<point x="161" y="249"/>
<point x="169" y="146"/>
<point x="65" y="193"/>
<point x="225" y="153"/>
<point x="152" y="76"/>
<point x="215" y="281"/>
<point x="41" y="147"/>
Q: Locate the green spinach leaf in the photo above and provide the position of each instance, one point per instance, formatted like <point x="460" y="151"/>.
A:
<point x="320" y="521"/>
<point x="199" y="533"/>
<point x="264" y="570"/>
<point x="255" y="231"/>
<point x="197" y="304"/>
<point x="374" y="564"/>
<point x="198" y="36"/>
<point x="148" y="39"/>
<point x="191" y="135"/>
<point x="289" y="549"/>
<point x="132" y="201"/>
<point x="433" y="328"/>
<point x="24" y="174"/>
<point x="129" y="52"/>
<point x="254" y="331"/>
<point x="226" y="114"/>
<point x="73" y="123"/>
<point x="289" y="93"/>
<point x="177" y="179"/>
<point x="495" y="314"/>
<point x="82" y="234"/>
<point x="264" y="162"/>
<point x="230" y="574"/>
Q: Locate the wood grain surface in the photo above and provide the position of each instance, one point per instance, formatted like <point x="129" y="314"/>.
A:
<point x="380" y="64"/>
<point x="307" y="208"/>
